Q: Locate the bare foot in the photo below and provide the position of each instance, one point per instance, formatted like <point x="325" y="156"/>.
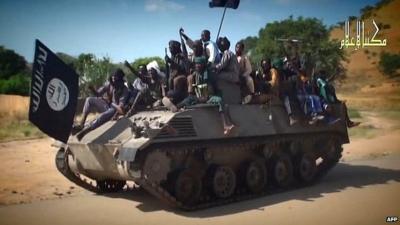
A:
<point x="167" y="103"/>
<point x="228" y="129"/>
<point x="173" y="108"/>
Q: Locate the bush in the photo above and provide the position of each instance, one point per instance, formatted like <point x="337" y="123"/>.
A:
<point x="19" y="130"/>
<point x="354" y="113"/>
<point x="366" y="11"/>
<point x="381" y="3"/>
<point x="146" y="60"/>
<point x="93" y="72"/>
<point x="351" y="18"/>
<point x="17" y="84"/>
<point x="386" y="26"/>
<point x="11" y="63"/>
<point x="389" y="64"/>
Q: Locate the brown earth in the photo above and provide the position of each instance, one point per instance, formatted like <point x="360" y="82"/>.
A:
<point x="29" y="173"/>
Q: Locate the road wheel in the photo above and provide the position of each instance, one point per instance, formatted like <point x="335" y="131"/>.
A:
<point x="62" y="161"/>
<point x="306" y="167"/>
<point x="282" y="170"/>
<point x="188" y="187"/>
<point x="256" y="176"/>
<point x="223" y="181"/>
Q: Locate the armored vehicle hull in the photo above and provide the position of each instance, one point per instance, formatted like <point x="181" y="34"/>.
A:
<point x="185" y="160"/>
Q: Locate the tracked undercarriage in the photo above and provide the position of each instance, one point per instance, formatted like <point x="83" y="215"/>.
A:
<point x="184" y="159"/>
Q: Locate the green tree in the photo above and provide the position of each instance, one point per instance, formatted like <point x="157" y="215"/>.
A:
<point x="67" y="59"/>
<point x="92" y="71"/>
<point x="366" y="12"/>
<point x="146" y="60"/>
<point x="95" y="71"/>
<point x="389" y="64"/>
<point x="352" y="18"/>
<point x="14" y="73"/>
<point x="249" y="44"/>
<point x="315" y="48"/>
<point x="17" y="84"/>
<point x="11" y="63"/>
<point x="382" y="3"/>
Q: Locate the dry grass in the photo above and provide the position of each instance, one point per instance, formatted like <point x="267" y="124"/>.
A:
<point x="14" y="124"/>
<point x="14" y="107"/>
<point x="19" y="130"/>
<point x="373" y="103"/>
<point x="353" y="113"/>
<point x="374" y="123"/>
<point x="367" y="132"/>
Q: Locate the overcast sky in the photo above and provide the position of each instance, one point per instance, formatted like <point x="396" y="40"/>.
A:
<point x="128" y="29"/>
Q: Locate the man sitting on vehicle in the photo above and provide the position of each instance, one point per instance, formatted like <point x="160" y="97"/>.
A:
<point x="310" y="102"/>
<point x="289" y="75"/>
<point x="178" y="64"/>
<point x="265" y="82"/>
<point x="328" y="94"/>
<point x="205" y="91"/>
<point x="113" y="104"/>
<point x="156" y="82"/>
<point x="227" y="73"/>
<point x="138" y="90"/>
<point x="147" y="89"/>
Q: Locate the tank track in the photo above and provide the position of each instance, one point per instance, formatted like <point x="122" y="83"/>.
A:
<point x="99" y="187"/>
<point x="240" y="195"/>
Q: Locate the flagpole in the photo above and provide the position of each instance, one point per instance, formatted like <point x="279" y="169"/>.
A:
<point x="222" y="20"/>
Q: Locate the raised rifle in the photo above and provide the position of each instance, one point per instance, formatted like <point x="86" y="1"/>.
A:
<point x="167" y="68"/>
<point x="128" y="65"/>
<point x="184" y="49"/>
<point x="185" y="53"/>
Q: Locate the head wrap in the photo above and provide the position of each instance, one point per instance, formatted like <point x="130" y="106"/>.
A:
<point x="175" y="44"/>
<point x="154" y="65"/>
<point x="200" y="60"/>
<point x="277" y="63"/>
<point x="119" y="75"/>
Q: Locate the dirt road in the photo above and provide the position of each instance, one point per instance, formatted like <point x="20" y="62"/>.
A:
<point x="363" y="189"/>
<point x="360" y="192"/>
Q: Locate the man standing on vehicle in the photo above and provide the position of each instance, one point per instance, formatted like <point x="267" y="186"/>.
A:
<point x="245" y="71"/>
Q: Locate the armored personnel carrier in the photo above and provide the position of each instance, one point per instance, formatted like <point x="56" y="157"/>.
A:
<point x="185" y="160"/>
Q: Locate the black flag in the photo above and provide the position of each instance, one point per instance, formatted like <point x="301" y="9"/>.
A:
<point x="234" y="4"/>
<point x="54" y="94"/>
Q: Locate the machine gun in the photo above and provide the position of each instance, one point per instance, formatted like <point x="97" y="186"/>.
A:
<point x="307" y="62"/>
<point x="183" y="44"/>
<point x="294" y="45"/>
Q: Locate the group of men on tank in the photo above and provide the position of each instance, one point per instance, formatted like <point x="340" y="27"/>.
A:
<point x="213" y="74"/>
